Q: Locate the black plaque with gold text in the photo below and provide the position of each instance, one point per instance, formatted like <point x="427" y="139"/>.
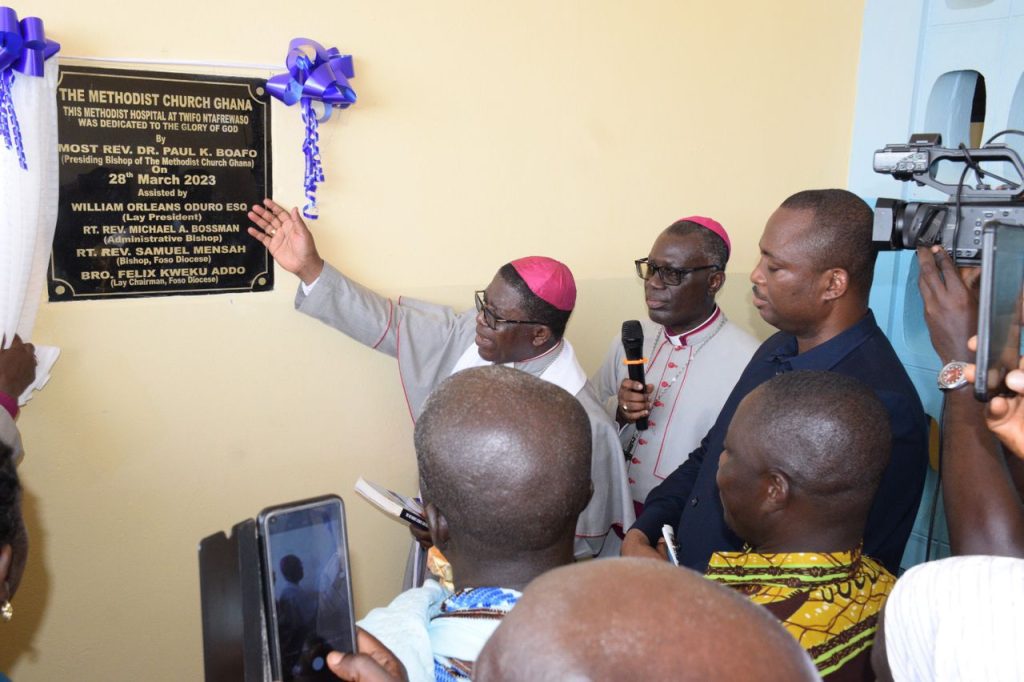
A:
<point x="157" y="171"/>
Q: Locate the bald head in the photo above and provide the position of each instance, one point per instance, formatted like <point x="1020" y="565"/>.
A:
<point x="620" y="619"/>
<point x="826" y="433"/>
<point x="505" y="457"/>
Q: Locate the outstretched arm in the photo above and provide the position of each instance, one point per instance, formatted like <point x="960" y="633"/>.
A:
<point x="983" y="510"/>
<point x="287" y="238"/>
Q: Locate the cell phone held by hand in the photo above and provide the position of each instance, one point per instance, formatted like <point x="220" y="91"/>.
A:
<point x="308" y="590"/>
<point x="999" y="307"/>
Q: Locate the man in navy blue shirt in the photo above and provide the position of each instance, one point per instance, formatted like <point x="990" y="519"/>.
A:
<point x="812" y="283"/>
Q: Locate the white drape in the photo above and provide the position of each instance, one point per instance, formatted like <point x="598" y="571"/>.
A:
<point x="28" y="212"/>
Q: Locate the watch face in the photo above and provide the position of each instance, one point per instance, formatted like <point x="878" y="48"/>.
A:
<point x="952" y="375"/>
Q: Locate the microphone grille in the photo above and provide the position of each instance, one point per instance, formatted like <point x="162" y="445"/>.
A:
<point x="632" y="331"/>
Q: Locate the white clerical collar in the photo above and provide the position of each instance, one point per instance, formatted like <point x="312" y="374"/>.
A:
<point x="563" y="370"/>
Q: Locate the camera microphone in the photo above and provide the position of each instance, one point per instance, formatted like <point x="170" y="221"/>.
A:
<point x="633" y="344"/>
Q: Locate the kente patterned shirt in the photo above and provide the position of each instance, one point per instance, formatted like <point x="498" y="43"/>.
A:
<point x="828" y="601"/>
<point x="465" y="622"/>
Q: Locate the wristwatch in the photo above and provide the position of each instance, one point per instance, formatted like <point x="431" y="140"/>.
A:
<point x="952" y="376"/>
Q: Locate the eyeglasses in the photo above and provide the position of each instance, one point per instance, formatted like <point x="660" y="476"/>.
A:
<point x="669" y="276"/>
<point x="492" y="320"/>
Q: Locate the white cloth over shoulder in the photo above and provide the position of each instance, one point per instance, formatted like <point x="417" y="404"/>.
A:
<point x="957" y="619"/>
<point x="564" y="372"/>
<point x="449" y="628"/>
<point x="404" y="627"/>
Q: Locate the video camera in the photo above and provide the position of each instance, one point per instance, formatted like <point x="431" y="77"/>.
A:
<point x="956" y="224"/>
<point x="979" y="225"/>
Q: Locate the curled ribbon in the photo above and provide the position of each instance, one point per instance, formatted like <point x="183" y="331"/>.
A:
<point x="23" y="48"/>
<point x="317" y="78"/>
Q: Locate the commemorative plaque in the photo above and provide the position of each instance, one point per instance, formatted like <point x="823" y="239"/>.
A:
<point x="157" y="172"/>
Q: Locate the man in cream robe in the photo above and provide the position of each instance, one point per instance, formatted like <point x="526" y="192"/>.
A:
<point x="431" y="342"/>
<point x="692" y="354"/>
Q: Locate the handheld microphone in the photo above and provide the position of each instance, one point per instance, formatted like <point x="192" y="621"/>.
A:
<point x="633" y="344"/>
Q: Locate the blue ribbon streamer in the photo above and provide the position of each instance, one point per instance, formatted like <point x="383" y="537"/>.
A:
<point x="24" y="48"/>
<point x="317" y="78"/>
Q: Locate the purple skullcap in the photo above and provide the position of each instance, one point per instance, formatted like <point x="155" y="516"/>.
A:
<point x="713" y="225"/>
<point x="551" y="280"/>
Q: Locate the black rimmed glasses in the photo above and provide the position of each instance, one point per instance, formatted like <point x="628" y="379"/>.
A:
<point x="669" y="276"/>
<point x="492" y="320"/>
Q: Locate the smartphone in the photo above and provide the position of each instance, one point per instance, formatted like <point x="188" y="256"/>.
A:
<point x="999" y="307"/>
<point x="308" y="590"/>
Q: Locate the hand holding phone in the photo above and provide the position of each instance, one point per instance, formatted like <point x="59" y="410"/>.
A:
<point x="308" y="588"/>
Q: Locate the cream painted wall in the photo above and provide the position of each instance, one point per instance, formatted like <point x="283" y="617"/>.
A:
<point x="484" y="131"/>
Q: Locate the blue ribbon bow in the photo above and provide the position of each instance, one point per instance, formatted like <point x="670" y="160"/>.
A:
<point x="24" y="47"/>
<point x="320" y="76"/>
